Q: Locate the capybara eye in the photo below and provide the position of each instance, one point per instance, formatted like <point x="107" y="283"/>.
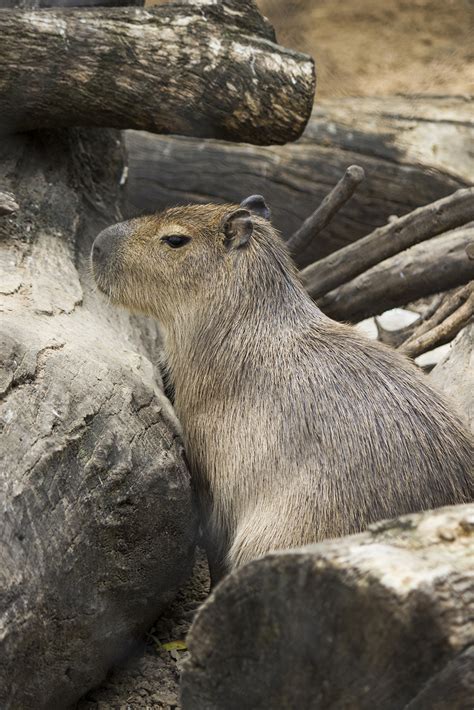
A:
<point x="176" y="240"/>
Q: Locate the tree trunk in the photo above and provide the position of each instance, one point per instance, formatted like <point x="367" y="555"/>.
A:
<point x="377" y="620"/>
<point x="453" y="374"/>
<point x="413" y="151"/>
<point x="196" y="68"/>
<point x="98" y="521"/>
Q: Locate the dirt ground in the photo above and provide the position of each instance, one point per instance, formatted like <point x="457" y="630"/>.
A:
<point x="361" y="47"/>
<point x="150" y="679"/>
<point x="380" y="47"/>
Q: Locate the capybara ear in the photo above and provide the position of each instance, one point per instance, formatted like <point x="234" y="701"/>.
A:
<point x="238" y="228"/>
<point x="257" y="205"/>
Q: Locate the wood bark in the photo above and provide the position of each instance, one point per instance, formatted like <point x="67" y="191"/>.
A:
<point x="396" y="236"/>
<point x="196" y="68"/>
<point x="441" y="333"/>
<point x="453" y="375"/>
<point x="378" y="620"/>
<point x="413" y="151"/>
<point x="8" y="203"/>
<point x="427" y="268"/>
<point x="328" y="208"/>
<point x="98" y="523"/>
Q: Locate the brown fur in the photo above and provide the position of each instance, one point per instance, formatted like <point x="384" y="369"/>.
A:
<point x="297" y="428"/>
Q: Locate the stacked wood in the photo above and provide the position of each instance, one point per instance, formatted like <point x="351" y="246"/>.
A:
<point x="383" y="619"/>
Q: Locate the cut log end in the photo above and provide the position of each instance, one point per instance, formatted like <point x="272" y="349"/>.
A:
<point x="371" y="620"/>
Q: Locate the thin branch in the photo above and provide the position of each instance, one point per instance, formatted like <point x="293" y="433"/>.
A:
<point x="450" y="303"/>
<point x="8" y="203"/>
<point x="442" y="333"/>
<point x="395" y="338"/>
<point x="331" y="204"/>
<point x="425" y="269"/>
<point x="417" y="226"/>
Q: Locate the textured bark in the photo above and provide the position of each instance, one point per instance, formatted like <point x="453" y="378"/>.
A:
<point x="8" y="203"/>
<point x="332" y="203"/>
<point x="454" y="374"/>
<point x="413" y="151"/>
<point x="396" y="236"/>
<point x="427" y="268"/>
<point x="442" y="333"/>
<point x="196" y="68"/>
<point x="98" y="522"/>
<point x="377" y="620"/>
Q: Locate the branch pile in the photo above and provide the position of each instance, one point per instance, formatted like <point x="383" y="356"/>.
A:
<point x="426" y="252"/>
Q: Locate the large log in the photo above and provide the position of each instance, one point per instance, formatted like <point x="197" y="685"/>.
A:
<point x="413" y="151"/>
<point x="97" y="517"/>
<point x="195" y="68"/>
<point x="427" y="268"/>
<point x="454" y="376"/>
<point x="378" y="620"/>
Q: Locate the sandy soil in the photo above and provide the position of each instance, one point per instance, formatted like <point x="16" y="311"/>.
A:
<point x="375" y="47"/>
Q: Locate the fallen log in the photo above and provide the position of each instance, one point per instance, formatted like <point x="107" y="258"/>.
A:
<point x="98" y="522"/>
<point x="396" y="236"/>
<point x="197" y="68"/>
<point x="377" y="620"/>
<point x="453" y="374"/>
<point x="427" y="268"/>
<point x="413" y="151"/>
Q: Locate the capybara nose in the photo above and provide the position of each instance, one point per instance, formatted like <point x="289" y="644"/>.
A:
<point x="104" y="245"/>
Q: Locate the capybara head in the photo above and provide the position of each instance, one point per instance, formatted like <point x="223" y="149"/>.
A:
<point x="151" y="264"/>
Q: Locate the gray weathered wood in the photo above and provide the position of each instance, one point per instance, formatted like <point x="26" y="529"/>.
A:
<point x="323" y="214"/>
<point x="454" y="374"/>
<point x="383" y="619"/>
<point x="428" y="221"/>
<point x="97" y="524"/>
<point x="444" y="331"/>
<point x="8" y="203"/>
<point x="413" y="151"/>
<point x="195" y="68"/>
<point x="427" y="268"/>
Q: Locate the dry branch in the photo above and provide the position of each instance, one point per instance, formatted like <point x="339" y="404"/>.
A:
<point x="427" y="268"/>
<point x="331" y="204"/>
<point x="444" y="331"/>
<point x="197" y="68"/>
<point x="8" y="203"/>
<point x="417" y="226"/>
<point x="445" y="307"/>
